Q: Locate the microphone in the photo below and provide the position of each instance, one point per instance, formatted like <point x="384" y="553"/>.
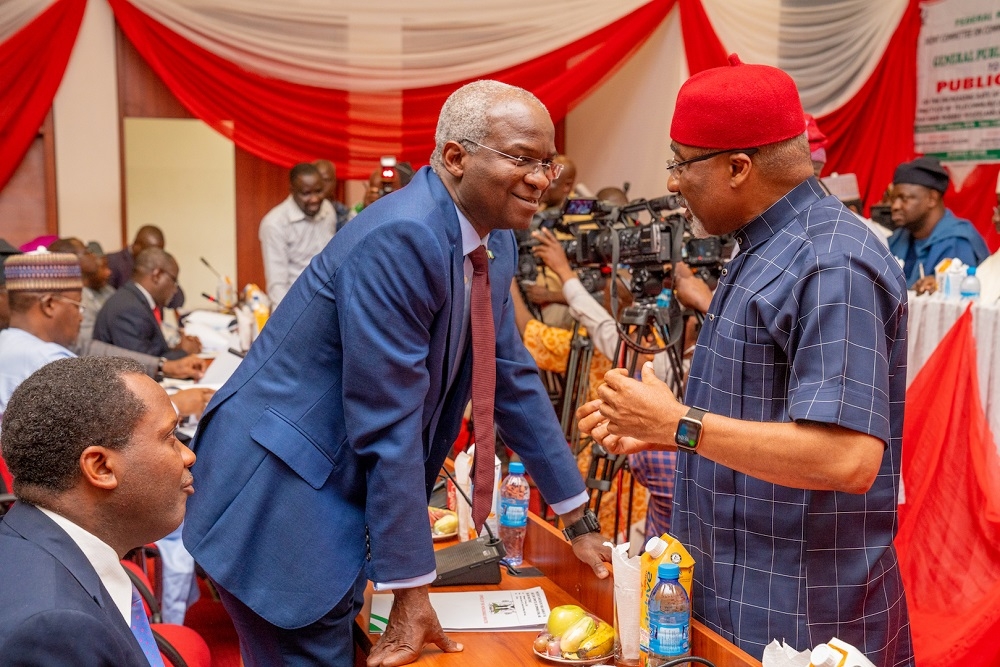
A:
<point x="211" y="268"/>
<point x="210" y="297"/>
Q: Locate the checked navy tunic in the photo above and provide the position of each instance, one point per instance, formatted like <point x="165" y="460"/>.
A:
<point x="808" y="324"/>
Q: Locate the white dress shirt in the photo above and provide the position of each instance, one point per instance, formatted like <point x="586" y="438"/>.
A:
<point x="105" y="561"/>
<point x="289" y="239"/>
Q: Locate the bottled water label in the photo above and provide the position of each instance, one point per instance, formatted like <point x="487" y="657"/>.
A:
<point x="514" y="512"/>
<point x="669" y="639"/>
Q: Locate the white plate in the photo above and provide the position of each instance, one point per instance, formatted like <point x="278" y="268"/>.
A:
<point x="444" y="536"/>
<point x="567" y="661"/>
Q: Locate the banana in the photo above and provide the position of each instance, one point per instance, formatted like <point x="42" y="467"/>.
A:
<point x="598" y="644"/>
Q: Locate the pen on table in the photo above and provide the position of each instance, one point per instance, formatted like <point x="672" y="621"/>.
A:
<point x="210" y="297"/>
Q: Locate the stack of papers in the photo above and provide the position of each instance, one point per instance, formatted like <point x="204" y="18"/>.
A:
<point x="477" y="611"/>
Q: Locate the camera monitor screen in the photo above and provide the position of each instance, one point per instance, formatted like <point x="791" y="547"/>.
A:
<point x="579" y="206"/>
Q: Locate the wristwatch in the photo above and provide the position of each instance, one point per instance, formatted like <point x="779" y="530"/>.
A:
<point x="159" y="369"/>
<point x="588" y="524"/>
<point x="689" y="429"/>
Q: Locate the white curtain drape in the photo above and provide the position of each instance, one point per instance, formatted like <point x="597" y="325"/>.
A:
<point x="387" y="45"/>
<point x="14" y="14"/>
<point x="830" y="48"/>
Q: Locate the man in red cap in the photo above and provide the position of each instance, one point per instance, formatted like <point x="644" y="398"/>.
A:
<point x="789" y="442"/>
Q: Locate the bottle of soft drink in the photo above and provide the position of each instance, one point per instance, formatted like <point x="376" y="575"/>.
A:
<point x="514" y="495"/>
<point x="970" y="287"/>
<point x="669" y="618"/>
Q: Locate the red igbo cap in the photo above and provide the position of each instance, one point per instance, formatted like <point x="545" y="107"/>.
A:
<point x="739" y="106"/>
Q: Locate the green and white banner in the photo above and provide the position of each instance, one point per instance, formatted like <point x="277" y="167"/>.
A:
<point x="958" y="81"/>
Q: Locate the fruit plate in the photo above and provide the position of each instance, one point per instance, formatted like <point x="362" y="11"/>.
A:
<point x="435" y="513"/>
<point x="578" y="661"/>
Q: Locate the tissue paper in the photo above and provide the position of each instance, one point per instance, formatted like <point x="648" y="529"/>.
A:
<point x="627" y="592"/>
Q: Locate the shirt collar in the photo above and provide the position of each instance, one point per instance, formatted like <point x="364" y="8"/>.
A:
<point x="779" y="214"/>
<point x="104" y="560"/>
<point x="149" y="297"/>
<point x="296" y="214"/>
<point x="470" y="237"/>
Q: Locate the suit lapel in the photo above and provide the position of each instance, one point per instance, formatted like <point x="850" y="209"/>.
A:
<point x="28" y="522"/>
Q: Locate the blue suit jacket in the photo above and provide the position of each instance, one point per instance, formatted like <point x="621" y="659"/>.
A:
<point x="332" y="431"/>
<point x="126" y="320"/>
<point x="53" y="608"/>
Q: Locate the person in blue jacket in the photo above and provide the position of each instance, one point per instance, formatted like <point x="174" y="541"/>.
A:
<point x="320" y="451"/>
<point x="926" y="231"/>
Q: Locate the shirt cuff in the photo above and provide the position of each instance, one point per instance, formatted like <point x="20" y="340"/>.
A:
<point x="412" y="582"/>
<point x="570" y="504"/>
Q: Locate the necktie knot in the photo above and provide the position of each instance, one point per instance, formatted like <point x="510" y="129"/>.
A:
<point x="480" y="262"/>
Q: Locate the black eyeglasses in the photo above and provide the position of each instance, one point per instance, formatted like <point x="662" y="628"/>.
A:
<point x="674" y="164"/>
<point x="552" y="170"/>
<point x="172" y="276"/>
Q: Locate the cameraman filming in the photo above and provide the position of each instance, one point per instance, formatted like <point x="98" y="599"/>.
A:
<point x="790" y="441"/>
<point x="653" y="469"/>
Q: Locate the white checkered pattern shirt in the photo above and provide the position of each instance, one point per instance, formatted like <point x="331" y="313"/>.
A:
<point x="808" y="324"/>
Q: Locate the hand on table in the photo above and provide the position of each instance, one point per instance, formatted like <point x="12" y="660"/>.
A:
<point x="191" y="401"/>
<point x="412" y="623"/>
<point x="190" y="344"/>
<point x="189" y="367"/>
<point x="926" y="285"/>
<point x="590" y="549"/>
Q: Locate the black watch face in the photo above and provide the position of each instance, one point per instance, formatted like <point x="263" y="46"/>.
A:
<point x="687" y="433"/>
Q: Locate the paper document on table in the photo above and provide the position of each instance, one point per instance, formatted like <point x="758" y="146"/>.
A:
<point x="477" y="611"/>
<point x="220" y="369"/>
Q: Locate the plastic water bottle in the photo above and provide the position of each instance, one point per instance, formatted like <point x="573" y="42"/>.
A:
<point x="970" y="285"/>
<point x="669" y="618"/>
<point x="514" y="496"/>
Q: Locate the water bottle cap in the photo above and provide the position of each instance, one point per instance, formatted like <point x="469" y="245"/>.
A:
<point x="970" y="271"/>
<point x="668" y="571"/>
<point x="516" y="468"/>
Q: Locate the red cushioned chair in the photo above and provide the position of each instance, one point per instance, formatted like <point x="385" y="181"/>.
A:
<point x="179" y="645"/>
<point x="6" y="484"/>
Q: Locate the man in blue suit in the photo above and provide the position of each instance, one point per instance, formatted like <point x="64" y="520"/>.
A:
<point x="317" y="457"/>
<point x="92" y="483"/>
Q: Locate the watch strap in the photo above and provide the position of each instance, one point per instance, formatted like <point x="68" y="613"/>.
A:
<point x="586" y="524"/>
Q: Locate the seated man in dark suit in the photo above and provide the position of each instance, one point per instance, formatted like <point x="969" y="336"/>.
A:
<point x="93" y="482"/>
<point x="122" y="263"/>
<point x="128" y="319"/>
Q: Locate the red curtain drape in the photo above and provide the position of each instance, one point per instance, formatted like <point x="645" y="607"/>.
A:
<point x="701" y="45"/>
<point x="287" y="123"/>
<point x="949" y="534"/>
<point x="32" y="63"/>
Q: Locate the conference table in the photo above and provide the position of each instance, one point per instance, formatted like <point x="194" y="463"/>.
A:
<point x="930" y="318"/>
<point x="566" y="581"/>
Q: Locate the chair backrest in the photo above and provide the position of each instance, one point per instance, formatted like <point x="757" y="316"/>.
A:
<point x="6" y="479"/>
<point x="180" y="646"/>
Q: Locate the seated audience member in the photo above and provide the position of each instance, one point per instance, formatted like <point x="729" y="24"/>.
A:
<point x="926" y="231"/>
<point x="189" y="367"/>
<point x="989" y="270"/>
<point x="129" y="320"/>
<point x="328" y="173"/>
<point x="817" y="145"/>
<point x="96" y="473"/>
<point x="122" y="263"/>
<point x="44" y="294"/>
<point x="295" y="230"/>
<point x="95" y="273"/>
